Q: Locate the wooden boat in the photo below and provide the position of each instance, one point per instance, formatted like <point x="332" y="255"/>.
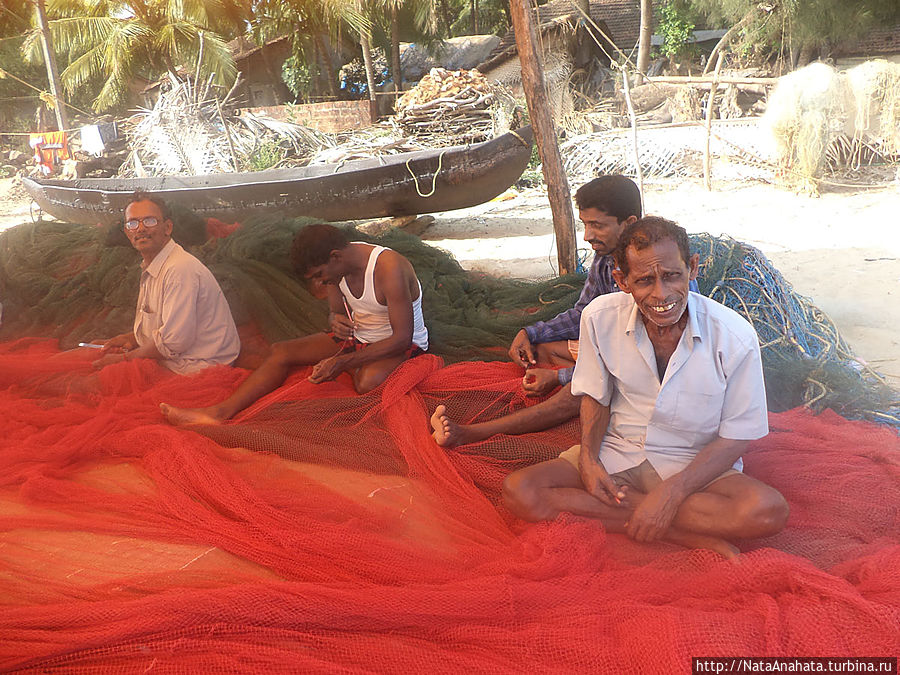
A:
<point x="424" y="181"/>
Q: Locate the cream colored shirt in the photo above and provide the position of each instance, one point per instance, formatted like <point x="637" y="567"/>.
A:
<point x="182" y="310"/>
<point x="713" y="385"/>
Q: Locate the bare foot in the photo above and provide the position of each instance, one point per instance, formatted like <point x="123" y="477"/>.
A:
<point x="446" y="432"/>
<point x="184" y="416"/>
<point x="692" y="540"/>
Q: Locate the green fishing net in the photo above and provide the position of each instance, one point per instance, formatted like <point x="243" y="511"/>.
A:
<point x="79" y="283"/>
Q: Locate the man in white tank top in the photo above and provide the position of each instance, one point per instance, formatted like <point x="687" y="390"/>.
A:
<point x="376" y="322"/>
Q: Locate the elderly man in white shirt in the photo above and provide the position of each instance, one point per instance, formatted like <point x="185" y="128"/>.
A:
<point x="182" y="320"/>
<point x="672" y="391"/>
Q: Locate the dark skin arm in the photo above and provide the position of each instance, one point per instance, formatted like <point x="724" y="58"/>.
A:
<point x="128" y="343"/>
<point x="341" y="324"/>
<point x="539" y="381"/>
<point x="521" y="351"/>
<point x="594" y="423"/>
<point x="392" y="284"/>
<point x="655" y="513"/>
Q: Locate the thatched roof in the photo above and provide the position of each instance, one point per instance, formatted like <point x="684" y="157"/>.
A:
<point x="879" y="42"/>
<point x="241" y="47"/>
<point x="619" y="19"/>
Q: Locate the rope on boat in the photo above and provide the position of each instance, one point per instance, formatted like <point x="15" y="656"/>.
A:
<point x="433" y="178"/>
<point x="521" y="140"/>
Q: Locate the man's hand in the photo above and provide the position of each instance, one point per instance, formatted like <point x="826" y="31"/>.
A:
<point x="108" y="359"/>
<point x="540" y="381"/>
<point x="327" y="369"/>
<point x="341" y="326"/>
<point x="654" y="514"/>
<point x="117" y="345"/>
<point x="521" y="350"/>
<point x="597" y="481"/>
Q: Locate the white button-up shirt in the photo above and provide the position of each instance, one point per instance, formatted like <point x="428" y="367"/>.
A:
<point x="182" y="310"/>
<point x="713" y="385"/>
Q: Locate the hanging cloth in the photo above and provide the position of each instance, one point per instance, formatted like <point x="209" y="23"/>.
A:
<point x="50" y="147"/>
<point x="91" y="140"/>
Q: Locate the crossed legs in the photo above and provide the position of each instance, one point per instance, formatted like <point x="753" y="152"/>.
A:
<point x="731" y="508"/>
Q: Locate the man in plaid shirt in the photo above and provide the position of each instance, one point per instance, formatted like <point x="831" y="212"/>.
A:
<point x="605" y="206"/>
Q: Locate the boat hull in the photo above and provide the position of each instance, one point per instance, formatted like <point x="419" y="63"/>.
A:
<point x="419" y="182"/>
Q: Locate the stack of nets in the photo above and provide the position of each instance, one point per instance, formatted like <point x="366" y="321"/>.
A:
<point x="69" y="282"/>
<point x="329" y="533"/>
<point x="823" y="119"/>
<point x="78" y="283"/>
<point x="804" y="357"/>
<point x="876" y="92"/>
<point x="454" y="107"/>
<point x="325" y="531"/>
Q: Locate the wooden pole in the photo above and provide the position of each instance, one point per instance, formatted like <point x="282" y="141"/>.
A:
<point x="707" y="80"/>
<point x="709" y="112"/>
<point x="638" y="172"/>
<point x="50" y="61"/>
<point x="545" y="135"/>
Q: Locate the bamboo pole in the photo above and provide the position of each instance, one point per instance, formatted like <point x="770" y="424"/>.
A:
<point x="709" y="111"/>
<point x="545" y="136"/>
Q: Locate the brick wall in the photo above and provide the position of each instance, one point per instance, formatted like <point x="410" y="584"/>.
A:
<point x="330" y="116"/>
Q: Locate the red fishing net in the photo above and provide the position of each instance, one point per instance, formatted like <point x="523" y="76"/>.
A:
<point x="327" y="532"/>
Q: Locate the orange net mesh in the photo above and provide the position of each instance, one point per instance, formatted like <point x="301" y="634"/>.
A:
<point x="327" y="532"/>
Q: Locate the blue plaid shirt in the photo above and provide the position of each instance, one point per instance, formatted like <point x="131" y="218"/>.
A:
<point x="566" y="325"/>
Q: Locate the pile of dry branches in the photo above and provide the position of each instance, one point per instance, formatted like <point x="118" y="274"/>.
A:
<point x="451" y="107"/>
<point x="189" y="132"/>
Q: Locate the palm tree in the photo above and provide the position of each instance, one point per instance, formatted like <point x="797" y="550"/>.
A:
<point x="117" y="40"/>
<point x="312" y="24"/>
<point x="643" y="60"/>
<point x="423" y="19"/>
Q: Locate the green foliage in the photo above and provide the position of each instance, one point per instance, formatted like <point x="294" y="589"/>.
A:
<point x="299" y="76"/>
<point x="117" y="40"/>
<point x="779" y="25"/>
<point x="17" y="102"/>
<point x="267" y="155"/>
<point x="493" y="17"/>
<point x="676" y="30"/>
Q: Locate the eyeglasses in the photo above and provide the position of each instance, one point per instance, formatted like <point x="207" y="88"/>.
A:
<point x="149" y="221"/>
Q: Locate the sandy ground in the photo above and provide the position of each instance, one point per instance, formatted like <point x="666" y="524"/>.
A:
<point x="841" y="249"/>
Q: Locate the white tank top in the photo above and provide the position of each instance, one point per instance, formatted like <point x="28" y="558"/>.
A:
<point x="370" y="318"/>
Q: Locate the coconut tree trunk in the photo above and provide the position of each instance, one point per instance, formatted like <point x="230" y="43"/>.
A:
<point x="445" y="17"/>
<point x="805" y="57"/>
<point x="327" y="65"/>
<point x="366" y="44"/>
<point x="395" y="47"/>
<point x="643" y="61"/>
<point x="50" y="62"/>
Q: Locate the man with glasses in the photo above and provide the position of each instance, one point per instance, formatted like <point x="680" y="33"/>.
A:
<point x="182" y="319"/>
